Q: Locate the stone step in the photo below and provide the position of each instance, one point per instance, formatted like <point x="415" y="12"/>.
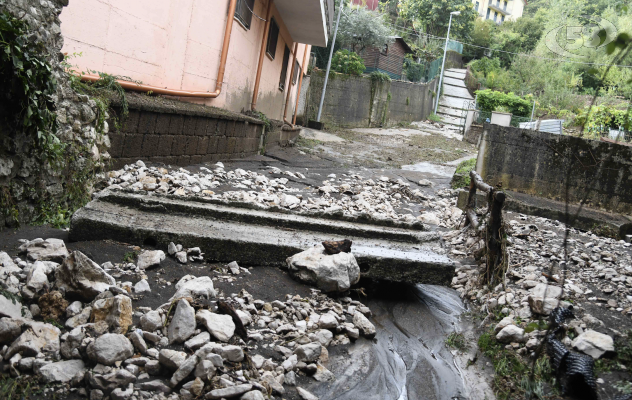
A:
<point x="455" y="91"/>
<point x="447" y="119"/>
<point x="259" y="237"/>
<point x="456" y="103"/>
<point x="454" y="74"/>
<point x="450" y="111"/>
<point x="453" y="81"/>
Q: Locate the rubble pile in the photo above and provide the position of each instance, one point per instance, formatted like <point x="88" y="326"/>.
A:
<point x="597" y="275"/>
<point x="350" y="194"/>
<point x="78" y="330"/>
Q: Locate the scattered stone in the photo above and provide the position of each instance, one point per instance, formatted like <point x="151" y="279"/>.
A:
<point x="544" y="298"/>
<point x="150" y="258"/>
<point x="330" y="273"/>
<point x="305" y="395"/>
<point x="110" y="348"/>
<point x="221" y="327"/>
<point x="308" y="352"/>
<point x="11" y="308"/>
<point x="252" y="395"/>
<point x="232" y="391"/>
<point x="182" y="325"/>
<point x="510" y="334"/>
<point x="197" y="341"/>
<point x="45" y="250"/>
<point x="79" y="319"/>
<point x="195" y="288"/>
<point x="151" y="321"/>
<point x="52" y="305"/>
<point x="172" y="359"/>
<point x="137" y="340"/>
<point x="366" y="328"/>
<point x="80" y="276"/>
<point x="115" y="311"/>
<point x="62" y="371"/>
<point x="39" y="337"/>
<point x="185" y="368"/>
<point x="142" y="286"/>
<point x="593" y="343"/>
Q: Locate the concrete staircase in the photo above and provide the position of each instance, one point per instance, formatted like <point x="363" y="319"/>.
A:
<point x="454" y="94"/>
<point x="233" y="232"/>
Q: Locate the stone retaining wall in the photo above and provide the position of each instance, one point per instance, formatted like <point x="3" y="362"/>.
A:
<point x="177" y="133"/>
<point x="545" y="164"/>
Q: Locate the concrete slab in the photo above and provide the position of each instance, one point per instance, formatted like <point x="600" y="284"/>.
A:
<point x="455" y="91"/>
<point x="452" y="102"/>
<point x="319" y="135"/>
<point x="391" y="131"/>
<point x="257" y="237"/>
<point x="453" y="81"/>
<point x="447" y="119"/>
<point x="450" y="111"/>
<point x="454" y="74"/>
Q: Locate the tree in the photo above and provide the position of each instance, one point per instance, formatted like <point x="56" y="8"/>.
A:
<point x="361" y="28"/>
<point x="434" y="16"/>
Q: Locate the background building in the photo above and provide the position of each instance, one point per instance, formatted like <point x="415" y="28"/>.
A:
<point x="500" y="10"/>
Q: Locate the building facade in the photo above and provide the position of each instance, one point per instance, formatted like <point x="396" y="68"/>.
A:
<point x="388" y="60"/>
<point x="499" y="11"/>
<point x="182" y="46"/>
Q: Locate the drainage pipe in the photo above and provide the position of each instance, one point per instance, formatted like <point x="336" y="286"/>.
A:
<point x="300" y="84"/>
<point x="262" y="53"/>
<point x="289" y="86"/>
<point x="186" y="93"/>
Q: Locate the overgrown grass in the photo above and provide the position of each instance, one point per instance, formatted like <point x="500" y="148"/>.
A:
<point x="434" y="117"/>
<point x="130" y="257"/>
<point x="463" y="173"/>
<point x="19" y="388"/>
<point x="622" y="361"/>
<point x="456" y="341"/>
<point x="306" y="143"/>
<point x="514" y="379"/>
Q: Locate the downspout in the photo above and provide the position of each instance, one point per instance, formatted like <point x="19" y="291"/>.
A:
<point x="266" y="31"/>
<point x="186" y="93"/>
<point x="300" y="84"/>
<point x="289" y="89"/>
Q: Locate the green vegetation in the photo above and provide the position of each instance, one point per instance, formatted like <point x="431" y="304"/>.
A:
<point x="434" y="117"/>
<point x="361" y="28"/>
<point x="432" y="17"/>
<point x="463" y="174"/>
<point x="378" y="77"/>
<point x="20" y="388"/>
<point x="130" y="257"/>
<point x="414" y="71"/>
<point x="515" y="379"/>
<point x="347" y="62"/>
<point x="490" y="100"/>
<point x="456" y="341"/>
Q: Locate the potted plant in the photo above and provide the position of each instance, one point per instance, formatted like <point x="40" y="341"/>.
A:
<point x="501" y="116"/>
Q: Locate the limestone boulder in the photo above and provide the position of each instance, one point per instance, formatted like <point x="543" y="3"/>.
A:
<point x="38" y="337"/>
<point x="195" y="288"/>
<point x="109" y="348"/>
<point x="182" y="325"/>
<point x="330" y="273"/>
<point x="543" y="298"/>
<point x="150" y="258"/>
<point x="115" y="311"/>
<point x="220" y="326"/>
<point x="62" y="371"/>
<point x="593" y="343"/>
<point x="82" y="277"/>
<point x="363" y="324"/>
<point x="10" y="307"/>
<point x="10" y="329"/>
<point x="45" y="250"/>
<point x="511" y="334"/>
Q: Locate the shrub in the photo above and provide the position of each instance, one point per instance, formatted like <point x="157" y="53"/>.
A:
<point x="490" y="100"/>
<point x="377" y="76"/>
<point x="347" y="62"/>
<point x="604" y="116"/>
<point x="414" y="71"/>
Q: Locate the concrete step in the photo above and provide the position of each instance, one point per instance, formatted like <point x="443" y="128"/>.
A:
<point x="447" y="119"/>
<point x="455" y="91"/>
<point x="453" y="81"/>
<point x="257" y="237"/>
<point x="450" y="111"/>
<point x="454" y="74"/>
<point x="456" y="103"/>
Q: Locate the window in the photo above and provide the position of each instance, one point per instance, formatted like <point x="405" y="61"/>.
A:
<point x="286" y="60"/>
<point x="502" y="19"/>
<point x="476" y="6"/>
<point x="490" y="2"/>
<point x="505" y="6"/>
<point x="498" y="3"/>
<point x="243" y="12"/>
<point x="495" y="16"/>
<point x="488" y="10"/>
<point x="273" y="38"/>
<point x="384" y="50"/>
<point x="297" y="69"/>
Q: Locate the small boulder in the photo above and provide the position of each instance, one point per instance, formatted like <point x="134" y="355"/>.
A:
<point x="511" y="334"/>
<point x="228" y="392"/>
<point x="182" y="325"/>
<point x="593" y="343"/>
<point x="150" y="258"/>
<point x="115" y="311"/>
<point x="305" y="395"/>
<point x="10" y="329"/>
<point x="195" y="288"/>
<point x="544" y="298"/>
<point x="172" y="359"/>
<point x="142" y="286"/>
<point x="110" y="348"/>
<point x="151" y="321"/>
<point x="39" y="337"/>
<point x="45" y="250"/>
<point x="62" y="371"/>
<point x="308" y="352"/>
<point x="52" y="305"/>
<point x="367" y="329"/>
<point x="330" y="273"/>
<point x="80" y="276"/>
<point x="10" y="307"/>
<point x="220" y="326"/>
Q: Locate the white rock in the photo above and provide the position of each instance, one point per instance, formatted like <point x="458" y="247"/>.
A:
<point x="36" y="280"/>
<point x="510" y="334"/>
<point x="305" y="395"/>
<point x="151" y="321"/>
<point x="503" y="323"/>
<point x="593" y="343"/>
<point x="45" y="250"/>
<point x="109" y="348"/>
<point x="220" y="326"/>
<point x="81" y="276"/>
<point x="329" y="273"/>
<point x="182" y="325"/>
<point x="142" y="286"/>
<point x="229" y="392"/>
<point x="429" y="218"/>
<point x="327" y="321"/>
<point x="252" y="395"/>
<point x="62" y="371"/>
<point x="190" y="286"/>
<point x="308" y="352"/>
<point x="39" y="338"/>
<point x="10" y="307"/>
<point x="365" y="326"/>
<point x="150" y="258"/>
<point x="544" y="298"/>
<point x="73" y="309"/>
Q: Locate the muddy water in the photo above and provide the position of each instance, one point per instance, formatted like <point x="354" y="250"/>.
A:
<point x="409" y="359"/>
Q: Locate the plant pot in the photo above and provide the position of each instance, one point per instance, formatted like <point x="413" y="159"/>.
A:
<point x="501" y="118"/>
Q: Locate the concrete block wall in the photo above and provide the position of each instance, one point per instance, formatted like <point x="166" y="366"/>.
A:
<point x="545" y="164"/>
<point x="182" y="137"/>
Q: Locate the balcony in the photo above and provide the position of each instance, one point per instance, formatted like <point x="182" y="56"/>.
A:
<point x="501" y="10"/>
<point x="306" y="20"/>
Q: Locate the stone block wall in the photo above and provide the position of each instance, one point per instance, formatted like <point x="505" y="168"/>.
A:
<point x="358" y="102"/>
<point x="178" y="133"/>
<point x="545" y="164"/>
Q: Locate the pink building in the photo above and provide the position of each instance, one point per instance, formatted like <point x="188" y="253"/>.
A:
<point x="178" y="46"/>
<point x="370" y="4"/>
